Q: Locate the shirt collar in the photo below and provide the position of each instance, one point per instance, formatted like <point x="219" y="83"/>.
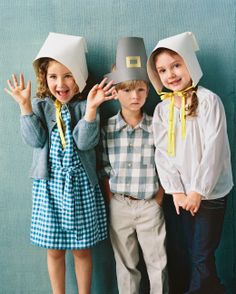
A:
<point x="144" y="124"/>
<point x="120" y="123"/>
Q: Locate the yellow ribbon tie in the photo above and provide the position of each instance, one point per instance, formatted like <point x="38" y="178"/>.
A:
<point x="171" y="127"/>
<point x="60" y="123"/>
<point x="182" y="114"/>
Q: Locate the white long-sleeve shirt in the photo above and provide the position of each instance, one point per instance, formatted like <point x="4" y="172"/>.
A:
<point x="202" y="160"/>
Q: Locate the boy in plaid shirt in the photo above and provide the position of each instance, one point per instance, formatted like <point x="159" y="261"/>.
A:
<point x="131" y="182"/>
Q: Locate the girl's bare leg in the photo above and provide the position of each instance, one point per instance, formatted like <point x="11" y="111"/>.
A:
<point x="56" y="270"/>
<point x="83" y="269"/>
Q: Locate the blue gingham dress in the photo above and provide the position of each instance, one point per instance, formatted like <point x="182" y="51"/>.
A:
<point x="67" y="212"/>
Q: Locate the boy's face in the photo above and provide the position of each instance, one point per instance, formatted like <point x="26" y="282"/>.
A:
<point x="60" y="82"/>
<point x="172" y="71"/>
<point x="133" y="99"/>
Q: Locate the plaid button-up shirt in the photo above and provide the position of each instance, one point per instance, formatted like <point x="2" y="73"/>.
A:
<point x="128" y="157"/>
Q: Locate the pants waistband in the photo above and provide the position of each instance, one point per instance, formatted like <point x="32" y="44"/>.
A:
<point x="130" y="197"/>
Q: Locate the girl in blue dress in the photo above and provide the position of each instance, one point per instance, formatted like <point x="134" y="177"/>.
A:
<point x="68" y="210"/>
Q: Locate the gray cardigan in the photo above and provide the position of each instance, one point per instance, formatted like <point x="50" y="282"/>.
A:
<point x="36" y="129"/>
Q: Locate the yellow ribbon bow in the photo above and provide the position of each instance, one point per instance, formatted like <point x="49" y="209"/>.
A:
<point x="60" y="123"/>
<point x="171" y="127"/>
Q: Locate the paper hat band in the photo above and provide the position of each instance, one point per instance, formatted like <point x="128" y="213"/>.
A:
<point x="131" y="61"/>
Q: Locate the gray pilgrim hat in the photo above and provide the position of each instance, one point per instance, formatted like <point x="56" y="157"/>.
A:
<point x="131" y="59"/>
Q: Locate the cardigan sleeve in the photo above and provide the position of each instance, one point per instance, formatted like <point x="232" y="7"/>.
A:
<point x="86" y="134"/>
<point x="106" y="166"/>
<point x="169" y="176"/>
<point x="33" y="129"/>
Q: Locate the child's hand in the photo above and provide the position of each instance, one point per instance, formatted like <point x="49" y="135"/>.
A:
<point x="97" y="95"/>
<point x="20" y="93"/>
<point x="193" y="202"/>
<point x="179" y="201"/>
<point x="160" y="195"/>
<point x="100" y="93"/>
<point x="107" y="190"/>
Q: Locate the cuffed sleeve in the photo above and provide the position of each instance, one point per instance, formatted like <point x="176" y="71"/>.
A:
<point x="216" y="150"/>
<point x="86" y="134"/>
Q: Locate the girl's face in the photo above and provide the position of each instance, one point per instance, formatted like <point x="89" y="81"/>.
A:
<point x="60" y="82"/>
<point x="172" y="71"/>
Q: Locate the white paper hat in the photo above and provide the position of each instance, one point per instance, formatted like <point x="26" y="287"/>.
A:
<point x="68" y="50"/>
<point x="185" y="45"/>
<point x="131" y="60"/>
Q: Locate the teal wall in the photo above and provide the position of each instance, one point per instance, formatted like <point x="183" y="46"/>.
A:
<point x="24" y="25"/>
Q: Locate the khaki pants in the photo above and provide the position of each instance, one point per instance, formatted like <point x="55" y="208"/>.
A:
<point x="133" y="222"/>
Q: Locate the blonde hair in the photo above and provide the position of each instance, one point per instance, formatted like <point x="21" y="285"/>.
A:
<point x="191" y="108"/>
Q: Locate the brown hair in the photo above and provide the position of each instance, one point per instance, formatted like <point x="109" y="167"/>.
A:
<point x="131" y="85"/>
<point x="161" y="50"/>
<point x="41" y="75"/>
<point x="190" y="108"/>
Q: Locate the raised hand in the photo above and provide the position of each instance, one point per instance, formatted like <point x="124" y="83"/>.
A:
<point x="97" y="95"/>
<point x="100" y="93"/>
<point x="20" y="92"/>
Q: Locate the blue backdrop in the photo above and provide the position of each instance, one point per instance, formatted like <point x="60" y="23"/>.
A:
<point x="25" y="25"/>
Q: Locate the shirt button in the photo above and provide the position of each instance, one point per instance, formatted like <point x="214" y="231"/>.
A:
<point x="129" y="164"/>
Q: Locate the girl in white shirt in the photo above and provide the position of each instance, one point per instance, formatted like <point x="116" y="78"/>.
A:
<point x="192" y="153"/>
